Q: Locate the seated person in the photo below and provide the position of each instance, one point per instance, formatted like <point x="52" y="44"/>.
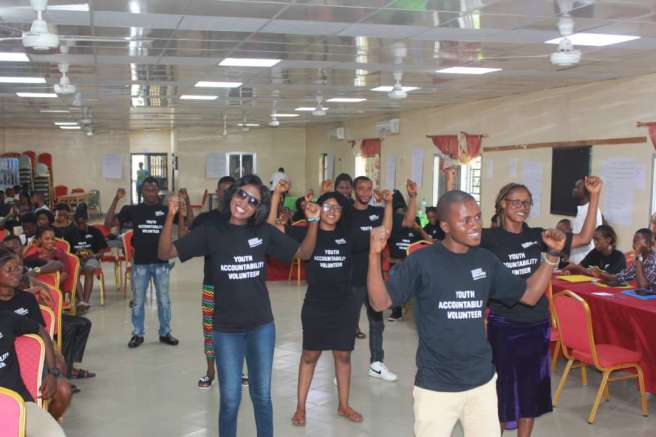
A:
<point x="88" y="248"/>
<point x="604" y="256"/>
<point x="43" y="249"/>
<point x="643" y="270"/>
<point x="23" y="203"/>
<point x="38" y="202"/>
<point x="28" y="223"/>
<point x="565" y="226"/>
<point x="432" y="229"/>
<point x="44" y="218"/>
<point x="63" y="225"/>
<point x="38" y="422"/>
<point x="24" y="304"/>
<point x="299" y="214"/>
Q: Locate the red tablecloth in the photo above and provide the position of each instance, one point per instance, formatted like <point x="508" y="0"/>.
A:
<point x="621" y="320"/>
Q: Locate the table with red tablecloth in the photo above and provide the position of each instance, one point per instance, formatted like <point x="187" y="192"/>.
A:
<point x="620" y="320"/>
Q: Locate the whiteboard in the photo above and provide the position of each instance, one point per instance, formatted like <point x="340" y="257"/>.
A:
<point x="112" y="167"/>
<point x="215" y="167"/>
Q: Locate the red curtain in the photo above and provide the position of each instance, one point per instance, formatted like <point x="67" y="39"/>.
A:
<point x="652" y="133"/>
<point x="370" y="147"/>
<point x="447" y="144"/>
<point x="473" y="145"/>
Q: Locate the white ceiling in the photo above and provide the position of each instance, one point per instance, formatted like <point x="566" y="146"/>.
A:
<point x="332" y="47"/>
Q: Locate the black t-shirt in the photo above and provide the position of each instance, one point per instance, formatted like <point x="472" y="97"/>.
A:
<point x="238" y="259"/>
<point x="613" y="263"/>
<point x="12" y="326"/>
<point x="360" y="223"/>
<point x="451" y="292"/>
<point x="328" y="272"/>
<point x="522" y="254"/>
<point x="69" y="233"/>
<point x="401" y="238"/>
<point x="148" y="221"/>
<point x="210" y="217"/>
<point x="435" y="232"/>
<point x="23" y="304"/>
<point x="91" y="239"/>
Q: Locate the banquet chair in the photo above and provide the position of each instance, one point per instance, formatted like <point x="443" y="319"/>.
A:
<point x="416" y="246"/>
<point x="57" y="308"/>
<point x="578" y="344"/>
<point x="62" y="244"/>
<point x="49" y="319"/>
<point x="31" y="352"/>
<point x="69" y="285"/>
<point x="12" y="413"/>
<point x="555" y="335"/>
<point x="50" y="279"/>
<point x="113" y="256"/>
<point x="77" y="190"/>
<point x="60" y="190"/>
<point x="297" y="263"/>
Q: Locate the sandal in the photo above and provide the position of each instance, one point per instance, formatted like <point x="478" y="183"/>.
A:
<point x="74" y="389"/>
<point x="205" y="382"/>
<point x="81" y="374"/>
<point x="298" y="419"/>
<point x="360" y="335"/>
<point x="350" y="414"/>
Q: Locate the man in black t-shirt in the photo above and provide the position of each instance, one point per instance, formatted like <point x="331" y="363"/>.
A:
<point x="452" y="283"/>
<point x="88" y="245"/>
<point x="148" y="219"/>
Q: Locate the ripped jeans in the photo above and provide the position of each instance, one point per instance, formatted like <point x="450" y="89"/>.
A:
<point x="141" y="275"/>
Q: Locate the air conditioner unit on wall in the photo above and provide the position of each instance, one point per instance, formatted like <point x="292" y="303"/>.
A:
<point x="387" y="127"/>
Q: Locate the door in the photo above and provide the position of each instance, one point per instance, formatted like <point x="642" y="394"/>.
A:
<point x="153" y="164"/>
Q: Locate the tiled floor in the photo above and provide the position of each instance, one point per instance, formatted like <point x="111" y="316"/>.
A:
<point x="152" y="391"/>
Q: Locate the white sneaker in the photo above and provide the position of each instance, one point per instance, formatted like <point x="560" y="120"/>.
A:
<point x="377" y="369"/>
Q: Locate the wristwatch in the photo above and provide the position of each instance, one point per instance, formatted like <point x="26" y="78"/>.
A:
<point x="37" y="270"/>
<point x="54" y="372"/>
<point x="641" y="258"/>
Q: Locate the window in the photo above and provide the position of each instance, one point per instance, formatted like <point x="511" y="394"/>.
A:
<point x="241" y="164"/>
<point x="369" y="167"/>
<point x="360" y="166"/>
<point x="326" y="167"/>
<point x="470" y="178"/>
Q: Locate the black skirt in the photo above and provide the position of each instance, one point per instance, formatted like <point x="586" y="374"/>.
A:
<point x="329" y="325"/>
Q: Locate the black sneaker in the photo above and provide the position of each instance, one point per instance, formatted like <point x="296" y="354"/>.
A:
<point x="135" y="341"/>
<point x="169" y="339"/>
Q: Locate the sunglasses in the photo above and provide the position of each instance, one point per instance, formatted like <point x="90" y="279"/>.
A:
<point x="326" y="207"/>
<point x="252" y="200"/>
<point x="516" y="203"/>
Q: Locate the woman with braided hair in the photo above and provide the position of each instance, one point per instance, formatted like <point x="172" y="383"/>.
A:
<point x="520" y="334"/>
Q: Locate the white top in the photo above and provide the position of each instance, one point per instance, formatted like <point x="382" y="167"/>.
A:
<point x="579" y="253"/>
<point x="277" y="177"/>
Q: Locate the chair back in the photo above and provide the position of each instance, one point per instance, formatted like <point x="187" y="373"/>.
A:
<point x="3" y="234"/>
<point x="77" y="190"/>
<point x="49" y="318"/>
<point x="204" y="198"/>
<point x="45" y="159"/>
<point x="300" y="223"/>
<point x="127" y="245"/>
<point x="416" y="246"/>
<point x="12" y="413"/>
<point x="57" y="308"/>
<point x="575" y="324"/>
<point x="50" y="279"/>
<point x="62" y="244"/>
<point x="103" y="230"/>
<point x="552" y="310"/>
<point x="630" y="258"/>
<point x="69" y="285"/>
<point x="61" y="190"/>
<point x="31" y="352"/>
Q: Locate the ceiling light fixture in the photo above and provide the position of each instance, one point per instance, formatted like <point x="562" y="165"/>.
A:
<point x="134" y="7"/>
<point x="468" y="70"/>
<point x="80" y="7"/>
<point x="37" y="95"/>
<point x="286" y="115"/>
<point x="197" y="97"/>
<point x="210" y="84"/>
<point x="13" y="57"/>
<point x="387" y="89"/>
<point x="66" y="123"/>
<point x="70" y="127"/>
<point x="248" y="62"/>
<point x="248" y="124"/>
<point x="594" y="39"/>
<point x="55" y="111"/>
<point x="19" y="79"/>
<point x="309" y="108"/>
<point x="346" y="100"/>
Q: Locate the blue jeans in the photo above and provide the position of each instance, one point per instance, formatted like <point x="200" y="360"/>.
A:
<point x="257" y="346"/>
<point x="141" y="275"/>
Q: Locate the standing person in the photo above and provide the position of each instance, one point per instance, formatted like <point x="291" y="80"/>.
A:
<point x="360" y="219"/>
<point x="520" y="334"/>
<point x="148" y="220"/>
<point x="243" y="320"/>
<point x="142" y="174"/>
<point x="452" y="283"/>
<point x="582" y="197"/>
<point x="88" y="247"/>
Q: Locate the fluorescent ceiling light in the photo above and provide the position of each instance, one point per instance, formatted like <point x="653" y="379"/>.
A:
<point x="134" y="7"/>
<point x="346" y="100"/>
<point x="248" y="124"/>
<point x="197" y="97"/>
<point x="66" y="123"/>
<point x="81" y="7"/>
<point x="388" y="88"/>
<point x="283" y="115"/>
<point x="248" y="62"/>
<point x="19" y="79"/>
<point x="468" y="70"/>
<point x="38" y="95"/>
<point x="55" y="111"/>
<point x="595" y="39"/>
<point x="309" y="108"/>
<point x="210" y="84"/>
<point x="13" y="57"/>
<point x="70" y="127"/>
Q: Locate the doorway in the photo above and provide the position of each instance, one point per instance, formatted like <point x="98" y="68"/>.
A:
<point x="153" y="164"/>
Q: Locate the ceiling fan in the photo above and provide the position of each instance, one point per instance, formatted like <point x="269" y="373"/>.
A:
<point x="319" y="110"/>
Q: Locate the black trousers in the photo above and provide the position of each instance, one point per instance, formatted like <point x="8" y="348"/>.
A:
<point x="75" y="333"/>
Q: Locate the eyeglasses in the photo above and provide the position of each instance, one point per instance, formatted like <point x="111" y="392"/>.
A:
<point x="252" y="200"/>
<point x="516" y="203"/>
<point x="326" y="207"/>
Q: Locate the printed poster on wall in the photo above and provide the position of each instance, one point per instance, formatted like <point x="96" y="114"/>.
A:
<point x="112" y="167"/>
<point x="417" y="169"/>
<point x="622" y="177"/>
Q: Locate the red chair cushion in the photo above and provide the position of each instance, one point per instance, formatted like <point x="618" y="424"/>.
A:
<point x="609" y="355"/>
<point x="555" y="335"/>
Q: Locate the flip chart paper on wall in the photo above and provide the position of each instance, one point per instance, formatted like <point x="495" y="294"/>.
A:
<point x="532" y="177"/>
<point x="512" y="168"/>
<point x="112" y="167"/>
<point x="489" y="168"/>
<point x="215" y="166"/>
<point x="330" y="166"/>
<point x="417" y="166"/>
<point x="389" y="178"/>
<point x="622" y="179"/>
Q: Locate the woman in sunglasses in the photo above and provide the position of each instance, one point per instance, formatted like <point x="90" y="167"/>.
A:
<point x="238" y="245"/>
<point x="520" y="335"/>
<point x="330" y="311"/>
